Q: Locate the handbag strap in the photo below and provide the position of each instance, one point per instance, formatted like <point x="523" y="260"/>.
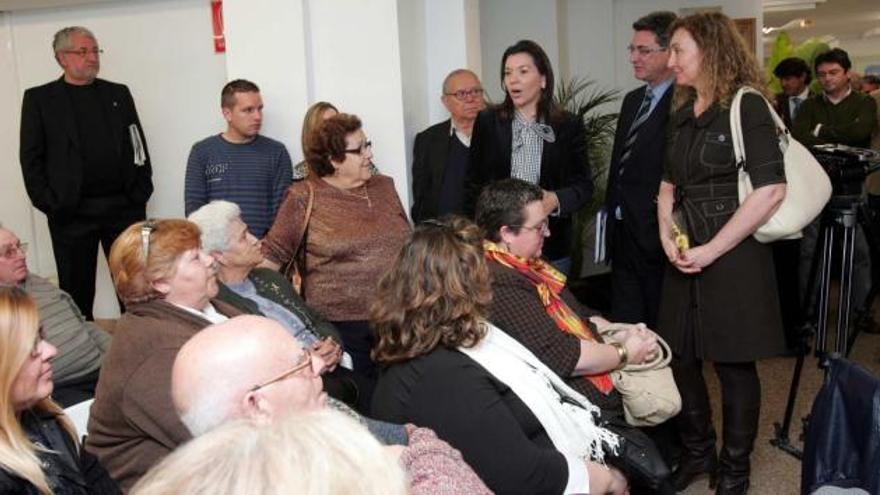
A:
<point x="736" y="134"/>
<point x="662" y="359"/>
<point x="300" y="249"/>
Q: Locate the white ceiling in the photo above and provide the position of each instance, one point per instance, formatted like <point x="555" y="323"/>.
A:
<point x="846" y="20"/>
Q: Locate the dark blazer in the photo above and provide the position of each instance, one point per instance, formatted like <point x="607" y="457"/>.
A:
<point x="564" y="170"/>
<point x="636" y="190"/>
<point x="50" y="157"/>
<point x="781" y="107"/>
<point x="276" y="288"/>
<point x="430" y="151"/>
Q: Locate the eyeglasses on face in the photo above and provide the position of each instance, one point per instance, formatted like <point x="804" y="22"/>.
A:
<point x="10" y="251"/>
<point x="304" y="362"/>
<point x="84" y="52"/>
<point x="466" y="94"/>
<point x="362" y="149"/>
<point x="542" y="228"/>
<point x="644" y="51"/>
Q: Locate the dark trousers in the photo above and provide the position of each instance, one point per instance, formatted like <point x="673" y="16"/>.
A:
<point x="75" y="244"/>
<point x="636" y="280"/>
<point x="357" y="341"/>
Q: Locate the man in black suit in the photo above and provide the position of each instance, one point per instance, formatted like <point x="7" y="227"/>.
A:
<point x="794" y="77"/>
<point x="84" y="160"/>
<point x="632" y="235"/>
<point x="440" y="152"/>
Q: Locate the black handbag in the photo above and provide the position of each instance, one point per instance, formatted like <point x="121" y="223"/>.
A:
<point x="636" y="457"/>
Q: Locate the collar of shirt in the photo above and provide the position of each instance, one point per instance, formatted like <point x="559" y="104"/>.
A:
<point x="658" y="90"/>
<point x="464" y="138"/>
<point x="804" y="94"/>
<point x="835" y="101"/>
<point x="209" y="313"/>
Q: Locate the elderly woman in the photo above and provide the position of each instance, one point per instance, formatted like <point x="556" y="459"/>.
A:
<point x="39" y="452"/>
<point x="529" y="137"/>
<point x="345" y="225"/>
<point x="167" y="284"/>
<point x="719" y="299"/>
<point x="265" y="292"/>
<point x="520" y="427"/>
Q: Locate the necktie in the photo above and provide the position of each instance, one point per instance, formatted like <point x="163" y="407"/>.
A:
<point x="795" y="106"/>
<point x="641" y="117"/>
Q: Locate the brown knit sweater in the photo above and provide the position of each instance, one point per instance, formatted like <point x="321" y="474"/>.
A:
<point x="353" y="238"/>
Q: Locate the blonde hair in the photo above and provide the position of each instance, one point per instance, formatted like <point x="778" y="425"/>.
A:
<point x="320" y="452"/>
<point x="19" y="324"/>
<point x="133" y="276"/>
<point x="727" y="63"/>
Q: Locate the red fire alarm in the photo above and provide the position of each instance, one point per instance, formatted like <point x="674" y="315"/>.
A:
<point x="217" y="23"/>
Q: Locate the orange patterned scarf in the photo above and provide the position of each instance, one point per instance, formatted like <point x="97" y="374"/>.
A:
<point x="549" y="282"/>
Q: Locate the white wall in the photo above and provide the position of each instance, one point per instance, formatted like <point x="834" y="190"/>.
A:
<point x="163" y="50"/>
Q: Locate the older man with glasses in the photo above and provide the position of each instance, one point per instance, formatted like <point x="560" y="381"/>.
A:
<point x="84" y="160"/>
<point x="81" y="345"/>
<point x="440" y="152"/>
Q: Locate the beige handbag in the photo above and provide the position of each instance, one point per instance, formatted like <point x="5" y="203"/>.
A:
<point x="650" y="395"/>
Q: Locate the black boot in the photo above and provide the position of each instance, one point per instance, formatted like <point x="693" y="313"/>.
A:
<point x="740" y="429"/>
<point x="698" y="438"/>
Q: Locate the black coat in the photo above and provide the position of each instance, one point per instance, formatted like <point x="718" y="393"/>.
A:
<point x="50" y="159"/>
<point x="430" y="152"/>
<point x="635" y="192"/>
<point x="564" y="170"/>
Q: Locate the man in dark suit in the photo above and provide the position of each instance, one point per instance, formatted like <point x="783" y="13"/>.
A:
<point x="632" y="236"/>
<point x="84" y="160"/>
<point x="440" y="152"/>
<point x="794" y="76"/>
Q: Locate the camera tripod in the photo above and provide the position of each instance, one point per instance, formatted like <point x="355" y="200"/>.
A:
<point x="837" y="226"/>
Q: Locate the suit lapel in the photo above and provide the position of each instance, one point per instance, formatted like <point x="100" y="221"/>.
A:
<point x="505" y="135"/>
<point x="439" y="146"/>
<point x="61" y="106"/>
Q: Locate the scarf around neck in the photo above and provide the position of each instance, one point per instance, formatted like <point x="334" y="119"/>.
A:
<point x="549" y="284"/>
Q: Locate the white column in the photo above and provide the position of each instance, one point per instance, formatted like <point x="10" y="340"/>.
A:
<point x="452" y="29"/>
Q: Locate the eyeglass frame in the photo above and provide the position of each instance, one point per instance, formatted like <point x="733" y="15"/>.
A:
<point x="368" y="145"/>
<point x="308" y="362"/>
<point x="463" y="94"/>
<point x="645" y="51"/>
<point x="83" y="52"/>
<point x="13" y="249"/>
<point x="542" y="228"/>
<point x="147" y="230"/>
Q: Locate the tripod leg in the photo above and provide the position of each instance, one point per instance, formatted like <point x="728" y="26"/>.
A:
<point x="846" y="275"/>
<point x="824" y="289"/>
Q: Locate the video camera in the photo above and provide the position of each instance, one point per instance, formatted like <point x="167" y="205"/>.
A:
<point x="846" y="166"/>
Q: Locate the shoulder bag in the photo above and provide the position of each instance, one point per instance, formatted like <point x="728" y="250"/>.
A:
<point x="649" y="393"/>
<point x="808" y="187"/>
<point x="296" y="267"/>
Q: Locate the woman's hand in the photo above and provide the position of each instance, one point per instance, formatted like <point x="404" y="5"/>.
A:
<point x="606" y="480"/>
<point x="550" y="202"/>
<point x="670" y="248"/>
<point x="640" y="344"/>
<point x="329" y="351"/>
<point x="695" y="259"/>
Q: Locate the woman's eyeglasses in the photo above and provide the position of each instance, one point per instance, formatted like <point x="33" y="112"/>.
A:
<point x="362" y="150"/>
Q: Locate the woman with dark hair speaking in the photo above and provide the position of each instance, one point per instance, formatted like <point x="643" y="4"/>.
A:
<point x="529" y="137"/>
<point x="719" y="299"/>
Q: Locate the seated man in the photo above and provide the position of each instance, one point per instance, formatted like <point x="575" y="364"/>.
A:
<point x="81" y="345"/>
<point x="265" y="292"/>
<point x="275" y="376"/>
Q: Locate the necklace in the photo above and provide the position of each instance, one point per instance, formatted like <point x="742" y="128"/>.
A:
<point x="365" y="195"/>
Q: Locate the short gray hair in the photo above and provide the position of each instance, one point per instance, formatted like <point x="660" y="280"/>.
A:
<point x="61" y="40"/>
<point x="456" y="72"/>
<point x="214" y="406"/>
<point x="214" y="220"/>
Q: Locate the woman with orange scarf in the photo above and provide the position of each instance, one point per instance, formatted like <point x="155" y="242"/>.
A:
<point x="531" y="304"/>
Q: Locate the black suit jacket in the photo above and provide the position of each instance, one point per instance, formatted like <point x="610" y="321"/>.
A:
<point x="430" y="152"/>
<point x="564" y="170"/>
<point x="50" y="157"/>
<point x="636" y="190"/>
<point x="781" y="107"/>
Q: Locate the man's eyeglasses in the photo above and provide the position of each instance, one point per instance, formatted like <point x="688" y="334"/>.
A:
<point x="304" y="362"/>
<point x="542" y="228"/>
<point x="11" y="250"/>
<point x="644" y="51"/>
<point x="362" y="150"/>
<point x="466" y="94"/>
<point x="83" y="52"/>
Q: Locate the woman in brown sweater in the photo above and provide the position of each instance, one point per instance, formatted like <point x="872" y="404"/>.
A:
<point x="345" y="225"/>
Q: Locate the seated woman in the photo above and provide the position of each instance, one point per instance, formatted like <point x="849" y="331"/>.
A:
<point x="517" y="424"/>
<point x="167" y="284"/>
<point x="530" y="301"/>
<point x="345" y="225"/>
<point x="39" y="452"/>
<point x="265" y="292"/>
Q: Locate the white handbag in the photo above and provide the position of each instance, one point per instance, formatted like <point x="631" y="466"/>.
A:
<point x="808" y="187"/>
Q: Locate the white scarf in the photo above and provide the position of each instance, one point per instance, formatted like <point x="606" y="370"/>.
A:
<point x="566" y="415"/>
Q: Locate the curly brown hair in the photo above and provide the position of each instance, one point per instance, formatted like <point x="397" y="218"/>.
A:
<point x="726" y="65"/>
<point x="327" y="142"/>
<point x="437" y="293"/>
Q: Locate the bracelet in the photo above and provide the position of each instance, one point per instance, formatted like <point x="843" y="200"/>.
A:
<point x="621" y="353"/>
